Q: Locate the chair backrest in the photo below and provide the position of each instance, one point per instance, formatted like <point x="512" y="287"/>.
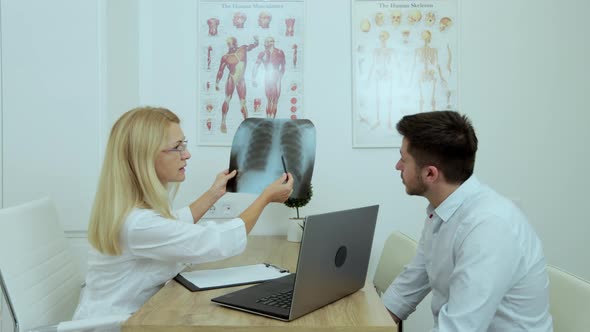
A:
<point x="569" y="301"/>
<point x="398" y="251"/>
<point x="39" y="272"/>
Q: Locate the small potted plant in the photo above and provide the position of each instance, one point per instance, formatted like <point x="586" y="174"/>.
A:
<point x="295" y="229"/>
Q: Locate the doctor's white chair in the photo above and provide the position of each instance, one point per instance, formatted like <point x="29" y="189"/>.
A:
<point x="569" y="301"/>
<point x="39" y="278"/>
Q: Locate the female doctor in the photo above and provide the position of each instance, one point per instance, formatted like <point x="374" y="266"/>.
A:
<point x="138" y="242"/>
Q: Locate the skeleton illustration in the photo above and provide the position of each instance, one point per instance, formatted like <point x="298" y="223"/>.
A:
<point x="445" y="23"/>
<point x="396" y="18"/>
<point x="379" y="19"/>
<point x="427" y="58"/>
<point x="430" y="19"/>
<point x="365" y="25"/>
<point x="382" y="72"/>
<point x="414" y="17"/>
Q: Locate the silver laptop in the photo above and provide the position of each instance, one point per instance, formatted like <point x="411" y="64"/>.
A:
<point x="333" y="261"/>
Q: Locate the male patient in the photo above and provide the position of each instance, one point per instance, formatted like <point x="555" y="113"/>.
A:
<point x="478" y="254"/>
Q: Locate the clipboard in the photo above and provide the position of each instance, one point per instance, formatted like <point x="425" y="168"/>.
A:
<point x="229" y="277"/>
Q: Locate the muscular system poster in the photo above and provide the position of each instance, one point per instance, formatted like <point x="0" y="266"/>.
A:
<point x="250" y="65"/>
<point x="405" y="61"/>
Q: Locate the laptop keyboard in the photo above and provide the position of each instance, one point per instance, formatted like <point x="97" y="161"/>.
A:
<point x="281" y="299"/>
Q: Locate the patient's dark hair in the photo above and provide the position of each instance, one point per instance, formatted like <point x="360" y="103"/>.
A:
<point x="445" y="139"/>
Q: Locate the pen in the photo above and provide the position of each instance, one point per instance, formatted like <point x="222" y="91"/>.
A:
<point x="281" y="270"/>
<point x="285" y="167"/>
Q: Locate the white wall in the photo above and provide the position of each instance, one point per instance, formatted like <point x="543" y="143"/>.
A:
<point x="522" y="83"/>
<point x="51" y="104"/>
<point x="70" y="68"/>
<point x="1" y="132"/>
<point x="3" y="314"/>
<point x="121" y="65"/>
<point x="66" y="64"/>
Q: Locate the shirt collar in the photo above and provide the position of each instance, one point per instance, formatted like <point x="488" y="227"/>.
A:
<point x="448" y="207"/>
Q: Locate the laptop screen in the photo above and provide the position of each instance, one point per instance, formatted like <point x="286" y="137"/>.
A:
<point x="332" y="263"/>
<point x="333" y="258"/>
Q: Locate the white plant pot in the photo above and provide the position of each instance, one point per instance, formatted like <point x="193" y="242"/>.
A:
<point x="295" y="229"/>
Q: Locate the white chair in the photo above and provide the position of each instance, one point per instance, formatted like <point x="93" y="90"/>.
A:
<point x="398" y="251"/>
<point x="569" y="300"/>
<point x="38" y="276"/>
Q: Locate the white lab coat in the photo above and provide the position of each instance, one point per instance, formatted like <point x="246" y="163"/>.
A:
<point x="153" y="251"/>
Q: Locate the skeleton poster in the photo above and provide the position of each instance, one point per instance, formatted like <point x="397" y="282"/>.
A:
<point x="405" y="61"/>
<point x="250" y="65"/>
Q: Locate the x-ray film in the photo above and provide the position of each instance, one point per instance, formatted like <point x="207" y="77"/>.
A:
<point x="257" y="149"/>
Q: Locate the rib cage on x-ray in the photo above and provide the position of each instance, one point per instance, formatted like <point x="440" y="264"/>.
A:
<point x="291" y="141"/>
<point x="257" y="149"/>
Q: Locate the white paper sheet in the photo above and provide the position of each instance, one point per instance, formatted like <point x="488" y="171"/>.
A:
<point x="233" y="275"/>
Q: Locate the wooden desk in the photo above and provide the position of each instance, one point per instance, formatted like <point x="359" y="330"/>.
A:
<point x="174" y="308"/>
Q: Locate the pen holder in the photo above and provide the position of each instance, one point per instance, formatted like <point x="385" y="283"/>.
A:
<point x="295" y="229"/>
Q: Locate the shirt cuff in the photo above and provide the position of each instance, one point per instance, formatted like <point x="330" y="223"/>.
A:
<point x="396" y="304"/>
<point x="233" y="234"/>
<point x="185" y="215"/>
<point x="241" y="237"/>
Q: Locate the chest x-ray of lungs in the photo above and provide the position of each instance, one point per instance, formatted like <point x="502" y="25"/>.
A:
<point x="257" y="149"/>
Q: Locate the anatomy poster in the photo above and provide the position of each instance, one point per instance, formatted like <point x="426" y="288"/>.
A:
<point x="405" y="61"/>
<point x="250" y="65"/>
<point x="263" y="149"/>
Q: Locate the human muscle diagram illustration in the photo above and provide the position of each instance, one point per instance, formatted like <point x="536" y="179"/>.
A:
<point x="213" y="23"/>
<point x="249" y="58"/>
<point x="290" y="27"/>
<point x="235" y="60"/>
<point x="273" y="60"/>
<point x="257" y="150"/>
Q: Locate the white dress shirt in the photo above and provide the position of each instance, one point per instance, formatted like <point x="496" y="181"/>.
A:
<point x="483" y="263"/>
<point x="153" y="250"/>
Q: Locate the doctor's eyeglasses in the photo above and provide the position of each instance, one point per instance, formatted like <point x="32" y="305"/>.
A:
<point x="180" y="148"/>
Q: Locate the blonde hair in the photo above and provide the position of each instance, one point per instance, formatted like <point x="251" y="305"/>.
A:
<point x="128" y="178"/>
